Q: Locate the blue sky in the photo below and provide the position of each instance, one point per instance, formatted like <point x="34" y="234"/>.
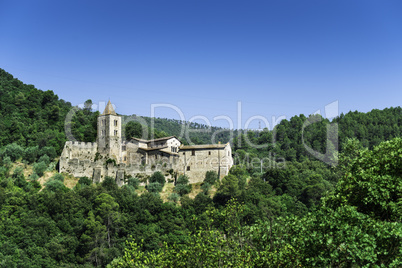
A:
<point x="278" y="58"/>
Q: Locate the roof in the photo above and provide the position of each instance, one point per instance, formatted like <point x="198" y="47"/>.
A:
<point x="168" y="152"/>
<point x="203" y="146"/>
<point x="152" y="148"/>
<point x="109" y="109"/>
<point x="155" y="140"/>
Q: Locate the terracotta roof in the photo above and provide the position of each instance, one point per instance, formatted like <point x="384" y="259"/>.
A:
<point x="109" y="109"/>
<point x="203" y="146"/>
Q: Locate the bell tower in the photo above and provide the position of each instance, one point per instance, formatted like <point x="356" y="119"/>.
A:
<point x="109" y="133"/>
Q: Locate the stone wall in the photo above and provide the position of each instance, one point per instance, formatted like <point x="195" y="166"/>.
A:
<point x="196" y="162"/>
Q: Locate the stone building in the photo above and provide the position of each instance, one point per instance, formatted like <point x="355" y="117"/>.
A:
<point x="110" y="156"/>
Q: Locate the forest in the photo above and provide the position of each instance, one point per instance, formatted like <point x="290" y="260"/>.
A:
<point x="290" y="210"/>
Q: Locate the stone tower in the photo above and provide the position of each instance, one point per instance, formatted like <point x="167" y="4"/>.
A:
<point x="109" y="134"/>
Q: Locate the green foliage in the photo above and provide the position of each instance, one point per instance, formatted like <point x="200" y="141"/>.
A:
<point x="372" y="182"/>
<point x="109" y="183"/>
<point x="154" y="187"/>
<point x="45" y="159"/>
<point x="85" y="181"/>
<point x="280" y="219"/>
<point x="133" y="182"/>
<point x="39" y="168"/>
<point x="157" y="177"/>
<point x="182" y="185"/>
<point x="133" y="130"/>
<point x="31" y="154"/>
<point x="229" y="188"/>
<point x="58" y="177"/>
<point x="174" y="197"/>
<point x="34" y="177"/>
<point x="14" y="151"/>
<point x="49" y="151"/>
<point x="211" y="177"/>
<point x="55" y="185"/>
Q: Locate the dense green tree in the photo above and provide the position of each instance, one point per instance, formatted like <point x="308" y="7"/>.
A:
<point x="157" y="177"/>
<point x="133" y="130"/>
<point x="182" y="185"/>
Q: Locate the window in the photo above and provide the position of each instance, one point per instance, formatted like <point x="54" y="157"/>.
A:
<point x="115" y="132"/>
<point x="193" y="152"/>
<point x="209" y="153"/>
<point x="188" y="168"/>
<point x="184" y="153"/>
<point x="115" y="123"/>
<point x="123" y="148"/>
<point x="125" y="158"/>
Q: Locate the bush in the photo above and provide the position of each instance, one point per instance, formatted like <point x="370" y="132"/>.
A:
<point x="211" y="177"/>
<point x="183" y="179"/>
<point x="39" y="168"/>
<point x="206" y="187"/>
<point x="174" y="197"/>
<point x="154" y="187"/>
<point x="45" y="159"/>
<point x="49" y="151"/>
<point x="85" y="181"/>
<point x="157" y="177"/>
<point x="55" y="186"/>
<point x="58" y="177"/>
<point x="31" y="154"/>
<point x="14" y="151"/>
<point x="182" y="187"/>
<point x="133" y="182"/>
<point x="18" y="172"/>
<point x="109" y="183"/>
<point x="34" y="177"/>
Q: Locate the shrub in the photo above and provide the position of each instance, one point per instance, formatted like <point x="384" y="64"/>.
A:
<point x="133" y="182"/>
<point x="211" y="177"/>
<point x="109" y="183"/>
<point x="55" y="186"/>
<point x="58" y="177"/>
<point x="85" y="181"/>
<point x="31" y="154"/>
<point x="183" y="179"/>
<point x="206" y="187"/>
<point x="44" y="158"/>
<point x="154" y="187"/>
<point x="39" y="168"/>
<point x="49" y="151"/>
<point x="14" y="151"/>
<point x="182" y="187"/>
<point x="34" y="177"/>
<point x="157" y="177"/>
<point x="174" y="197"/>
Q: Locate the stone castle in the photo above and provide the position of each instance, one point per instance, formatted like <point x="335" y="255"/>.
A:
<point x="111" y="156"/>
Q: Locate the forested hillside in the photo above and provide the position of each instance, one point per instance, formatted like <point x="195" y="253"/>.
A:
<point x="279" y="206"/>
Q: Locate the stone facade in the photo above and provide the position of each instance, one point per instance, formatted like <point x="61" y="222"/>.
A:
<point x="109" y="156"/>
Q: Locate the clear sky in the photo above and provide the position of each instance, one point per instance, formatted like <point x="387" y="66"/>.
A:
<point x="278" y="58"/>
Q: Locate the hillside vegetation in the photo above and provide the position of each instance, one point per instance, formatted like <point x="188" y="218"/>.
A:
<point x="289" y="209"/>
